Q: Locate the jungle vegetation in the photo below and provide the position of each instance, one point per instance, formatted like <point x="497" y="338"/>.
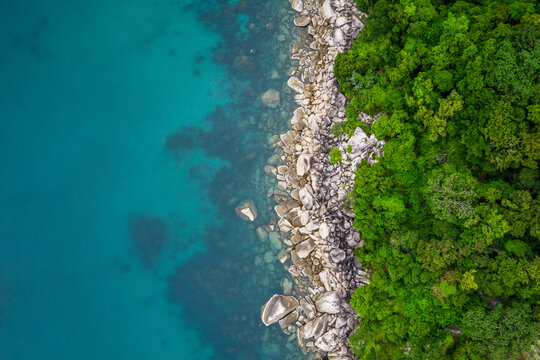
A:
<point x="450" y="215"/>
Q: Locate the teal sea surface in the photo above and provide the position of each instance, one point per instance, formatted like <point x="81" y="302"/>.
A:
<point x="130" y="131"/>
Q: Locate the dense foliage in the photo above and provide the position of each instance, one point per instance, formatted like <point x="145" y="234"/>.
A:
<point x="450" y="216"/>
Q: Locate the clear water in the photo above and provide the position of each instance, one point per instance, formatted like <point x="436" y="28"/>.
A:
<point x="130" y="130"/>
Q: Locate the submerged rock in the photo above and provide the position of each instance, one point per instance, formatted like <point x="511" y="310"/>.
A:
<point x="277" y="308"/>
<point x="271" y="98"/>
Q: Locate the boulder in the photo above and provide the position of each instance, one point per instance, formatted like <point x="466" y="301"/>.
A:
<point x="340" y="21"/>
<point x="325" y="279"/>
<point x="338" y="255"/>
<point x="340" y="322"/>
<point x="247" y="211"/>
<point x="298" y="114"/>
<point x="327" y="342"/>
<point x="304" y="248"/>
<point x="277" y="308"/>
<point x="288" y="320"/>
<point x="302" y="21"/>
<point x="358" y="142"/>
<point x="295" y="84"/>
<point x="304" y="218"/>
<point x="285" y="225"/>
<point x="297" y="5"/>
<point x="271" y="98"/>
<point x="324" y="230"/>
<point x="303" y="164"/>
<point x="338" y="36"/>
<point x="306" y="198"/>
<point x="314" y="328"/>
<point x="308" y="308"/>
<point x="326" y="10"/>
<point x="283" y="208"/>
<point x="329" y="303"/>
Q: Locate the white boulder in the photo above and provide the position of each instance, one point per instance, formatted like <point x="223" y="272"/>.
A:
<point x="247" y="211"/>
<point x="303" y="164"/>
<point x="304" y="248"/>
<point x="297" y="5"/>
<point x="329" y="303"/>
<point x="277" y="308"/>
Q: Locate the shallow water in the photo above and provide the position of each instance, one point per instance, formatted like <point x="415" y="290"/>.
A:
<point x="130" y="132"/>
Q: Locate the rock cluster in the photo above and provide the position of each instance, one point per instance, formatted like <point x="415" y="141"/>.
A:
<point x="319" y="236"/>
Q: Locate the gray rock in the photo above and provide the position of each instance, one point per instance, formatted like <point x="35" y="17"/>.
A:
<point x="308" y="308"/>
<point x="329" y="303"/>
<point x="324" y="276"/>
<point x="304" y="248"/>
<point x="358" y="142"/>
<point x="284" y="225"/>
<point x="285" y="207"/>
<point x="306" y="198"/>
<point x="324" y="230"/>
<point x="288" y="320"/>
<point x="303" y="164"/>
<point x="337" y="255"/>
<point x="340" y="21"/>
<point x="327" y="342"/>
<point x="338" y="36"/>
<point x="277" y="308"/>
<point x="271" y="98"/>
<point x="340" y="322"/>
<point x="314" y="328"/>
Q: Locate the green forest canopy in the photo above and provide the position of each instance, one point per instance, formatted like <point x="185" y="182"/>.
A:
<point x="450" y="216"/>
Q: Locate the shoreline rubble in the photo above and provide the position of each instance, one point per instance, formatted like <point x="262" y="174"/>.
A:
<point x="318" y="233"/>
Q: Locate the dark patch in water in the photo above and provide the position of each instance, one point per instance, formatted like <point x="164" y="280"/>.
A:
<point x="149" y="236"/>
<point x="121" y="265"/>
<point x="185" y="138"/>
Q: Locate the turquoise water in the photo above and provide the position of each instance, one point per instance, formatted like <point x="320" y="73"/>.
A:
<point x="130" y="130"/>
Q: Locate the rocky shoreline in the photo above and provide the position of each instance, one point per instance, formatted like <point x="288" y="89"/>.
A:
<point x="311" y="191"/>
